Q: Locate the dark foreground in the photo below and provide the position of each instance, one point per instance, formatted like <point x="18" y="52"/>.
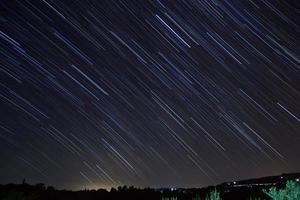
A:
<point x="240" y="190"/>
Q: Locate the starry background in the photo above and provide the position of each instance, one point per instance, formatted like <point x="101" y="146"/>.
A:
<point x="148" y="93"/>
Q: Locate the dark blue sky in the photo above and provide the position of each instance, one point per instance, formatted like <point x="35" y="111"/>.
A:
<point x="148" y="93"/>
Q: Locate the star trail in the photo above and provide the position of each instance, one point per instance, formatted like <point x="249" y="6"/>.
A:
<point x="148" y="93"/>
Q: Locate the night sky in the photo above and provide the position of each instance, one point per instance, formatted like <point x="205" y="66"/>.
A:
<point x="148" y="93"/>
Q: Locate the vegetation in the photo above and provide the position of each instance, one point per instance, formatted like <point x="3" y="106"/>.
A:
<point x="214" y="195"/>
<point x="290" y="192"/>
<point x="285" y="191"/>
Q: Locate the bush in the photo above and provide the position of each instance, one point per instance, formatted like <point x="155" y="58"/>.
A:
<point x="290" y="192"/>
<point x="214" y="195"/>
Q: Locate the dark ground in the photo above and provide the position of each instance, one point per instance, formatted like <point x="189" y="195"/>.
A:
<point x="229" y="191"/>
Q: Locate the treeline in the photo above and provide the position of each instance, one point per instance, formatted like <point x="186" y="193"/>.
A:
<point x="25" y="191"/>
<point x="41" y="192"/>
